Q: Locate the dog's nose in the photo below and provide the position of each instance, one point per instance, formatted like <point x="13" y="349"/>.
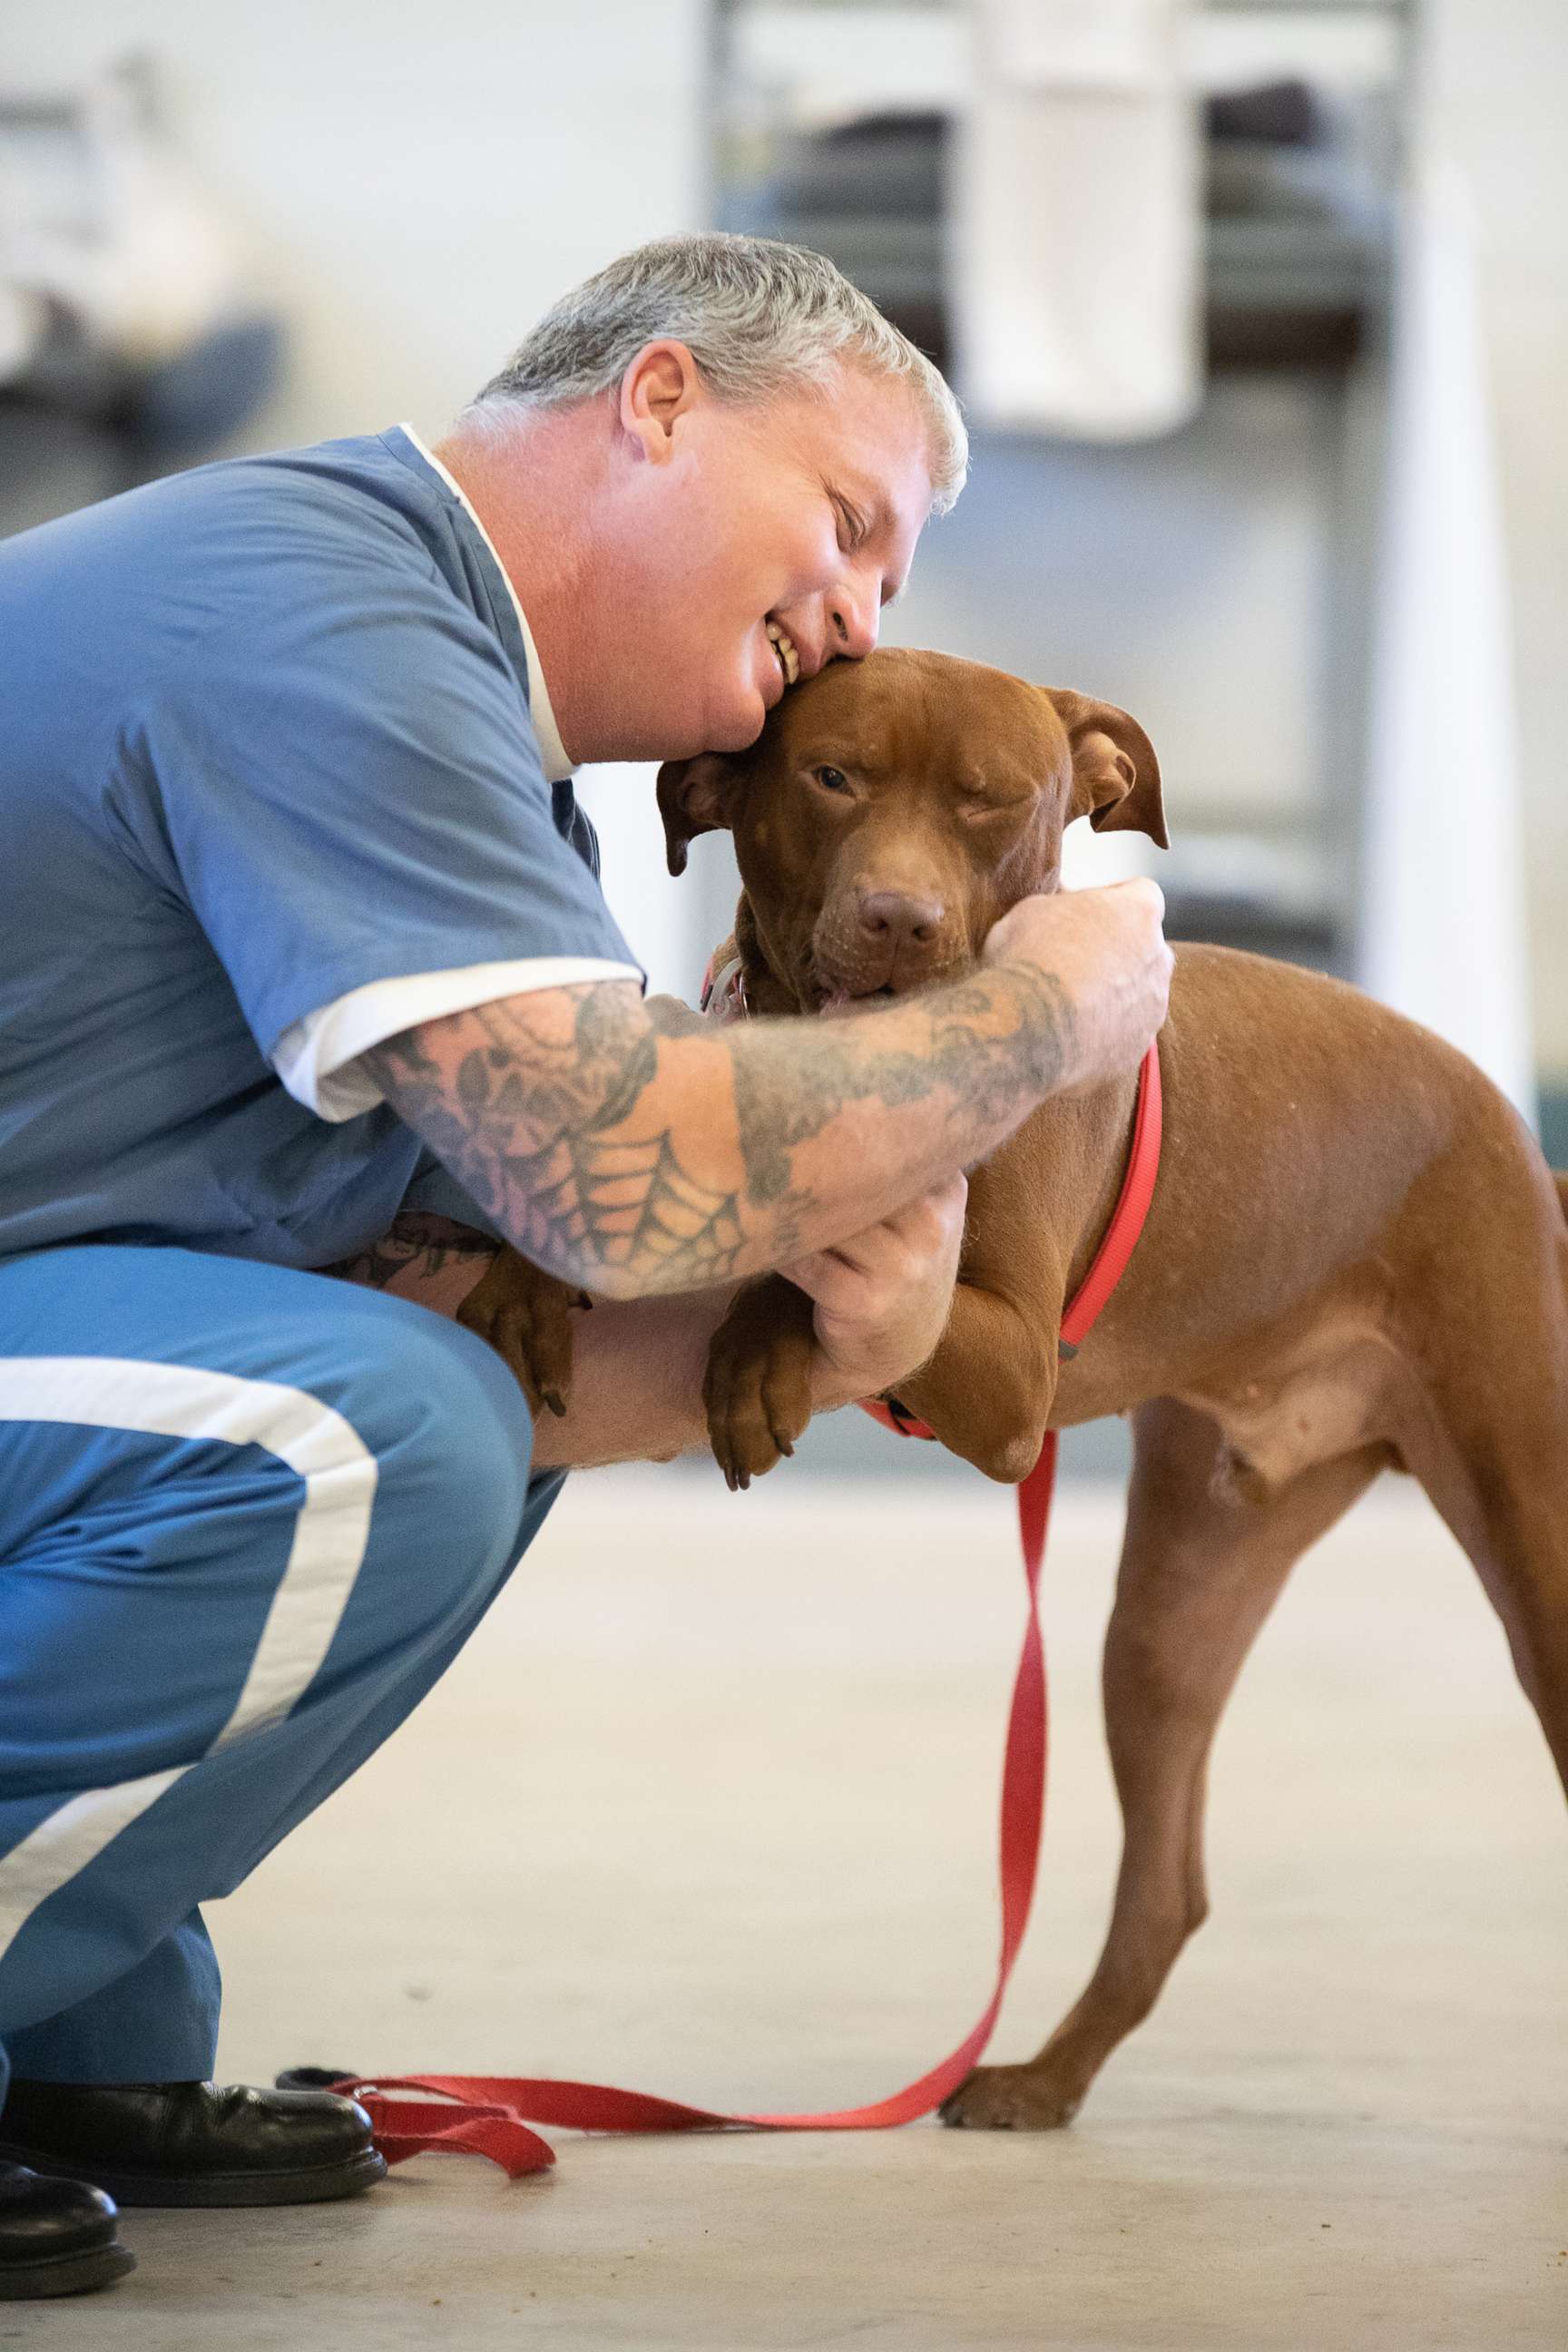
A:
<point x="894" y="916"/>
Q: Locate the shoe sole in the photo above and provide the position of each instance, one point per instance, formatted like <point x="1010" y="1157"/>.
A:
<point x="64" y="2274"/>
<point x="316" y="2187"/>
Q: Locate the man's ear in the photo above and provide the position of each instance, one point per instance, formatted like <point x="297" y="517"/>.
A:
<point x="1115" y="775"/>
<point x="695" y="796"/>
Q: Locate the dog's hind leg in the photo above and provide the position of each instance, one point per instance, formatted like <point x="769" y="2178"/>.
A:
<point x="1503" y="1491"/>
<point x="1201" y="1568"/>
<point x="1490" y="1444"/>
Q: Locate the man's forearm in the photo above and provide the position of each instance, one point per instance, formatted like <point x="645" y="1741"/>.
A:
<point x="636" y="1365"/>
<point x="636" y="1150"/>
<point x="636" y="1384"/>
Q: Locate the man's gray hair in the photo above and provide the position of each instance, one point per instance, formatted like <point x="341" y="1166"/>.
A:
<point x="760" y="318"/>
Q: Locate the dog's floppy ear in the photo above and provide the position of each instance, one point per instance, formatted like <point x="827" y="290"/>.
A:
<point x="695" y="796"/>
<point x="1116" y="777"/>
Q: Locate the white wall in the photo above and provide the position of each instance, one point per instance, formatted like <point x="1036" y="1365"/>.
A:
<point x="416" y="182"/>
<point x="1496" y="72"/>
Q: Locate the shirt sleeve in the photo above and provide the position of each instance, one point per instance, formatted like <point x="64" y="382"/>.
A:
<point x="348" y="792"/>
<point x="317" y="1058"/>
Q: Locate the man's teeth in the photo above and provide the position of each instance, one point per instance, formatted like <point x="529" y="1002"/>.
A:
<point x="784" y="646"/>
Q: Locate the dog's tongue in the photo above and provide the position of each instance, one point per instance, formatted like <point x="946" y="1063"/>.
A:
<point x="839" y="1002"/>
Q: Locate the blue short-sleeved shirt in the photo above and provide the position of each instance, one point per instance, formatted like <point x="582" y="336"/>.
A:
<point x="269" y="792"/>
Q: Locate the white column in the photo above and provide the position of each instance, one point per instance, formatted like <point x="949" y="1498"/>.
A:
<point x="1442" y="917"/>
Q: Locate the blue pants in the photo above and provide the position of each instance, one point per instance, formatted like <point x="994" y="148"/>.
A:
<point x="246" y="1517"/>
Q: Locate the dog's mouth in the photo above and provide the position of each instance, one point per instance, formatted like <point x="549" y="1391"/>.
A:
<point x="829" y="985"/>
<point x="834" y="1001"/>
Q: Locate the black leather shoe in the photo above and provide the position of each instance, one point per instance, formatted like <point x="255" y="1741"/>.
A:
<point x="57" y="2237"/>
<point x="192" y="2143"/>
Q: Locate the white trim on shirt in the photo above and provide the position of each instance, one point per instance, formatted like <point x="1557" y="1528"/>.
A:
<point x="558" y="766"/>
<point x="316" y="1057"/>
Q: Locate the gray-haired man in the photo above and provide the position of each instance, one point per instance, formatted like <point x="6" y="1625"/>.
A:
<point x="296" y="907"/>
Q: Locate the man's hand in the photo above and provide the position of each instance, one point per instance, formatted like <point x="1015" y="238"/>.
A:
<point x="882" y="1296"/>
<point x="1106" y="946"/>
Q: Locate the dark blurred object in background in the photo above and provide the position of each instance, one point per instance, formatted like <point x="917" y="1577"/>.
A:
<point x="129" y="345"/>
<point x="1294" y="230"/>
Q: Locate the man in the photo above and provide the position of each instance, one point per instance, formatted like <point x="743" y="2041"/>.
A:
<point x="292" y="887"/>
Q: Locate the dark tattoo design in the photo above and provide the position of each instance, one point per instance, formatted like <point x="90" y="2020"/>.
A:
<point x="538" y="1135"/>
<point x="417" y="1234"/>
<point x="547" y="1120"/>
<point x="784" y="1101"/>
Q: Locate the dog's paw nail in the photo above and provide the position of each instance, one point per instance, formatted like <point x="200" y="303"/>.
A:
<point x="583" y="1301"/>
<point x="551" y="1397"/>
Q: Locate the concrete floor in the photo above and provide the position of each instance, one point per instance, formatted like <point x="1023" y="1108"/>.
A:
<point x="708" y="1808"/>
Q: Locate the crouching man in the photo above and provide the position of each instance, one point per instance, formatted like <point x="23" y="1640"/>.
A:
<point x="295" y="899"/>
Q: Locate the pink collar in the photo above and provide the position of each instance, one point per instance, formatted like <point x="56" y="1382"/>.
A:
<point x="723" y="996"/>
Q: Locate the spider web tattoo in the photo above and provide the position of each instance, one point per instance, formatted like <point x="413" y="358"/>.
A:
<point x="635" y="1205"/>
<point x="559" y="1157"/>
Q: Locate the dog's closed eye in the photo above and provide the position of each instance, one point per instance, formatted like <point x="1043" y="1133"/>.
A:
<point x="977" y="803"/>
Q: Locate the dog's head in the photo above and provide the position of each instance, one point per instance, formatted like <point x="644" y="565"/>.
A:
<point x="893" y="808"/>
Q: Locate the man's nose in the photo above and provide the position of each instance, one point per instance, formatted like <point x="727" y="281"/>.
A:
<point x="897" y="919"/>
<point x="853" y="620"/>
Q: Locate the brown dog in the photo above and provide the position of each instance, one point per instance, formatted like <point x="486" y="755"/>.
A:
<point x="1356" y="1258"/>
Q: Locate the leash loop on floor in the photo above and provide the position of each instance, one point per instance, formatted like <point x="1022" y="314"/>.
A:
<point x="490" y="2115"/>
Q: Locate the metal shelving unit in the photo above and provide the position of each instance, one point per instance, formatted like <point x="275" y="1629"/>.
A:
<point x="829" y="128"/>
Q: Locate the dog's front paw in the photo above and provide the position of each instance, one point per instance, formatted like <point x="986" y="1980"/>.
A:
<point x="757" y="1388"/>
<point x="1010" y="2099"/>
<point x="525" y="1315"/>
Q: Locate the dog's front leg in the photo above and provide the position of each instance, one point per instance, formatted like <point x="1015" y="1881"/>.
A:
<point x="757" y="1387"/>
<point x="524" y="1312"/>
<point x="988" y="1391"/>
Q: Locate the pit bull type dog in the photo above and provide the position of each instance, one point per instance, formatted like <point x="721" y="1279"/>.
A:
<point x="1356" y="1259"/>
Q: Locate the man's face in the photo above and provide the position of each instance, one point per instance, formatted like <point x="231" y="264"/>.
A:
<point x="756" y="543"/>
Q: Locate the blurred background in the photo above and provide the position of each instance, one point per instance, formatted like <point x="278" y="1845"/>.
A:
<point x="1261" y="313"/>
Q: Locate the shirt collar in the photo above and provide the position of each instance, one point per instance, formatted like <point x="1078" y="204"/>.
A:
<point x="558" y="766"/>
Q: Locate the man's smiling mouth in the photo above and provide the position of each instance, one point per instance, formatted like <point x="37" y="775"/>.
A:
<point x="783" y="647"/>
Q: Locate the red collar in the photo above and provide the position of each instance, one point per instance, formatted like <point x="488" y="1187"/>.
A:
<point x="1130" y="1215"/>
<point x="1127" y="1222"/>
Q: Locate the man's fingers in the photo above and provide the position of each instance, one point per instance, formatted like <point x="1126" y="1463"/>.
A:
<point x="1141" y="890"/>
<point x="933" y="1221"/>
<point x="942" y="1206"/>
<point x="1107" y="950"/>
<point x="918" y="1240"/>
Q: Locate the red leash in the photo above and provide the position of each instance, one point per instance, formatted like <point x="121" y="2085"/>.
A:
<point x="489" y="2114"/>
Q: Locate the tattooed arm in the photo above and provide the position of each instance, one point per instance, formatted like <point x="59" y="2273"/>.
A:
<point x="636" y="1148"/>
<point x="422" y="1244"/>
